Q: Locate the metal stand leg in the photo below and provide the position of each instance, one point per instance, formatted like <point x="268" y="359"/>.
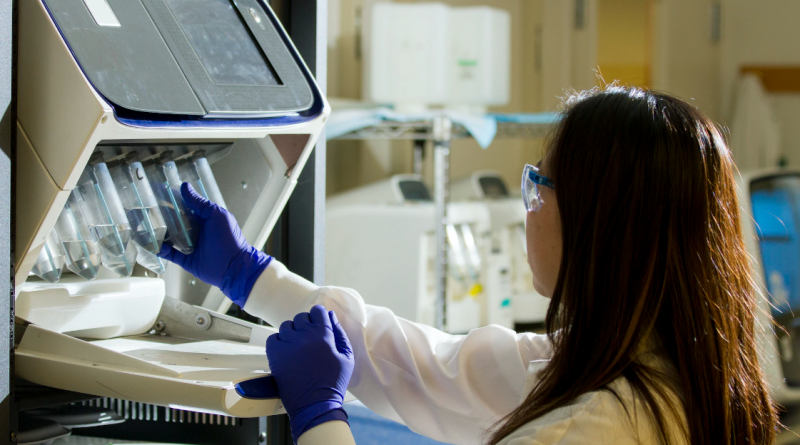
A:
<point x="419" y="155"/>
<point x="442" y="134"/>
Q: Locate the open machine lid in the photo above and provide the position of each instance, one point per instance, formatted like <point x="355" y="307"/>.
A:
<point x="211" y="58"/>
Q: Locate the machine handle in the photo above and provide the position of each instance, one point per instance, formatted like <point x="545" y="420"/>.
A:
<point x="260" y="388"/>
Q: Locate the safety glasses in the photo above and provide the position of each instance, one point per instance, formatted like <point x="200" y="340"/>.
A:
<point x="531" y="180"/>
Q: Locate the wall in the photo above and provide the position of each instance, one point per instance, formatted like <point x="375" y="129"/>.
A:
<point x="624" y="41"/>
<point x="787" y="113"/>
<point x="763" y="33"/>
<point x="686" y="60"/>
<point x="689" y="62"/>
<point x="354" y="163"/>
<point x="569" y="53"/>
<point x="758" y="33"/>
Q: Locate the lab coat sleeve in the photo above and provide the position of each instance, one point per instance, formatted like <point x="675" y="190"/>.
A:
<point x="451" y="388"/>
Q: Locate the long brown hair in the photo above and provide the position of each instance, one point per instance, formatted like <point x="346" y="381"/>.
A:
<point x="652" y="250"/>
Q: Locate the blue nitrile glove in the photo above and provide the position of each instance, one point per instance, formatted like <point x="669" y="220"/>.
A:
<point x="221" y="257"/>
<point x="312" y="361"/>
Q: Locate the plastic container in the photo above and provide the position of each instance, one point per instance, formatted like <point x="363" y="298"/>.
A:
<point x="150" y="261"/>
<point x="82" y="254"/>
<point x="139" y="202"/>
<point x="51" y="259"/>
<point x="101" y="206"/>
<point x="123" y="264"/>
<point x="166" y="184"/>
<point x="479" y="71"/>
<point x="196" y="171"/>
<point x="106" y="308"/>
<point x="406" y="61"/>
<point x="424" y="54"/>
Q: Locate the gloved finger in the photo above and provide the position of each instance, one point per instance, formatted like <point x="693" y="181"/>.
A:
<point x="272" y="343"/>
<point x="201" y="207"/>
<point x="286" y="331"/>
<point x="319" y="316"/>
<point x="301" y="321"/>
<point x="173" y="255"/>
<point x="339" y="336"/>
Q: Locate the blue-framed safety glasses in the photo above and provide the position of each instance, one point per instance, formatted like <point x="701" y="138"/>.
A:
<point x="531" y="180"/>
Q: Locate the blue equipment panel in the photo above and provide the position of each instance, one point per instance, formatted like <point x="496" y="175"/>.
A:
<point x="776" y="210"/>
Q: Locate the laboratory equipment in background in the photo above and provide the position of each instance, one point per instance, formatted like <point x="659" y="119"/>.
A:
<point x="770" y="200"/>
<point x="480" y="58"/>
<point x="380" y="240"/>
<point x="406" y="55"/>
<point x="508" y="240"/>
<point x="103" y="143"/>
<point x="424" y="54"/>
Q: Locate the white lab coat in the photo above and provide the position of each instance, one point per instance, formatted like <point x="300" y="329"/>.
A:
<point x="451" y="388"/>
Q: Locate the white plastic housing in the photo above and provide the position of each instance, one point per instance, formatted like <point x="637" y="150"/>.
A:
<point x="480" y="56"/>
<point x="469" y="188"/>
<point x="104" y="308"/>
<point x="381" y="192"/>
<point x="62" y="120"/>
<point x="423" y="54"/>
<point x="408" y="54"/>
<point x="199" y="376"/>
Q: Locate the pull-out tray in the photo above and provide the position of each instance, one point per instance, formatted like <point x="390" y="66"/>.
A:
<point x="215" y="376"/>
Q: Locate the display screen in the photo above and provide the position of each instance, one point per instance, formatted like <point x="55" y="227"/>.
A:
<point x="414" y="191"/>
<point x="776" y="211"/>
<point x="223" y="42"/>
<point x="493" y="187"/>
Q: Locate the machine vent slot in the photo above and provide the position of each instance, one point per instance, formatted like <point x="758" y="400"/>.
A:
<point x="154" y="413"/>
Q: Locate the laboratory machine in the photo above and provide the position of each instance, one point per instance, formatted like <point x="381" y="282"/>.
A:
<point x="770" y="200"/>
<point x="508" y="237"/>
<point x="380" y="241"/>
<point x="119" y="102"/>
<point x="423" y="54"/>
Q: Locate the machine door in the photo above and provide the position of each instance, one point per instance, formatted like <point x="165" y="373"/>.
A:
<point x="122" y="338"/>
<point x="204" y="376"/>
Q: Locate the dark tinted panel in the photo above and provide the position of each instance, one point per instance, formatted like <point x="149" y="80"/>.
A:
<point x="223" y="42"/>
<point x="493" y="187"/>
<point x="414" y="191"/>
<point x="130" y="65"/>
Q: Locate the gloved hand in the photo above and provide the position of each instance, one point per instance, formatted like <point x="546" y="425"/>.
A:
<point x="312" y="361"/>
<point x="221" y="257"/>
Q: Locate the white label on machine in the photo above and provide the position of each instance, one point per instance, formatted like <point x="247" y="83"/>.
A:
<point x="101" y="12"/>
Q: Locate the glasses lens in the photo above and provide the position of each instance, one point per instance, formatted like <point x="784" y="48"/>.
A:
<point x="530" y="193"/>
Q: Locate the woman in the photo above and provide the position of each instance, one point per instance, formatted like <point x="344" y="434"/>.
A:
<point x="632" y="231"/>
